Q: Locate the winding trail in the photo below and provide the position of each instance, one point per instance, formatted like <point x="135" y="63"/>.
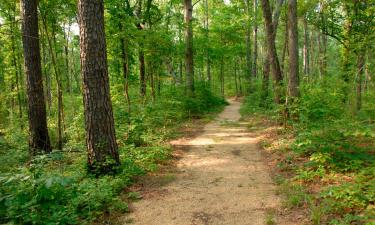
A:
<point x="220" y="180"/>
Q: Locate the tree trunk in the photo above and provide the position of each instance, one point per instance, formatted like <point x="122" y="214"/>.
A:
<point x="125" y="67"/>
<point x="208" y="45"/>
<point x="293" y="89"/>
<point x="39" y="139"/>
<point x="306" y="49"/>
<point x="189" y="54"/>
<point x="222" y="86"/>
<point x="66" y="51"/>
<point x="271" y="28"/>
<point x="60" y="106"/>
<point x="125" y="71"/>
<point x="15" y="66"/>
<point x="235" y="78"/>
<point x="99" y="124"/>
<point x="265" y="82"/>
<point x="248" y="47"/>
<point x="141" y="54"/>
<point x="360" y="72"/>
<point x="255" y="38"/>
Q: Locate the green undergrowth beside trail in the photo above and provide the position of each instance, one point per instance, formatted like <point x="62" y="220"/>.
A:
<point x="326" y="155"/>
<point x="56" y="188"/>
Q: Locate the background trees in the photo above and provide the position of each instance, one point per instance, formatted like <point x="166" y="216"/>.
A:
<point x="150" y="62"/>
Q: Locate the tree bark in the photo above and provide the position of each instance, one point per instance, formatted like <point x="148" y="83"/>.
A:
<point x="39" y="141"/>
<point x="208" y="45"/>
<point x="248" y="47"/>
<point x="360" y="72"/>
<point x="271" y="28"/>
<point x="99" y="124"/>
<point x="255" y="38"/>
<point x="293" y="89"/>
<point x="306" y="49"/>
<point x="189" y="54"/>
<point x="60" y="106"/>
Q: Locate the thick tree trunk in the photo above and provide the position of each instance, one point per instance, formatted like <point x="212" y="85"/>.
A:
<point x="271" y="28"/>
<point x="189" y="54"/>
<point x="99" y="124"/>
<point x="293" y="89"/>
<point x="39" y="139"/>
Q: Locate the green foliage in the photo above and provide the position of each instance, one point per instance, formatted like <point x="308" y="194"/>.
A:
<point x="56" y="189"/>
<point x="338" y="149"/>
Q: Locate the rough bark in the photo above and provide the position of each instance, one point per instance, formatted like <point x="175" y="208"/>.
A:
<point x="39" y="141"/>
<point x="99" y="124"/>
<point x="293" y="89"/>
<point x="271" y="28"/>
<point x="189" y="54"/>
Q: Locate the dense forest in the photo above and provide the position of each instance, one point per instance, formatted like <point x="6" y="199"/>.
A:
<point x="91" y="92"/>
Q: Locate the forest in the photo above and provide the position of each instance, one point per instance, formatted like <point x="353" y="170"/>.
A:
<point x="93" y="92"/>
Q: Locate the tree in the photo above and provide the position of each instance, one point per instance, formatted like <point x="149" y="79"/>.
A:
<point x="189" y="54"/>
<point x="39" y="141"/>
<point x="271" y="29"/>
<point x="293" y="49"/>
<point x="99" y="123"/>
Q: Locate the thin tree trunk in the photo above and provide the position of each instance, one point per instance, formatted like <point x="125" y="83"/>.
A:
<point x="99" y="124"/>
<point x="189" y="55"/>
<point x="293" y="89"/>
<point x="125" y="70"/>
<point x="306" y="54"/>
<point x="59" y="87"/>
<point x="208" y="45"/>
<point x="235" y="78"/>
<point x="141" y="55"/>
<point x="248" y="47"/>
<point x="222" y="86"/>
<point x="16" y="71"/>
<point x="360" y="72"/>
<point x="66" y="51"/>
<point x="38" y="137"/>
<point x="255" y="38"/>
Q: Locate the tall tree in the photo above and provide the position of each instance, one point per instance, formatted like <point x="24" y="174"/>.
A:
<point x="99" y="123"/>
<point x="293" y="49"/>
<point x="255" y="38"/>
<point x="39" y="139"/>
<point x="271" y="29"/>
<point x="189" y="54"/>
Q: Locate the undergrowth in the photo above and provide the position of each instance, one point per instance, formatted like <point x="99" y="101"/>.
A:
<point x="332" y="162"/>
<point x="56" y="189"/>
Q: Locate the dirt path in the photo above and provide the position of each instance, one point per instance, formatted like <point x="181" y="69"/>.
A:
<point x="220" y="180"/>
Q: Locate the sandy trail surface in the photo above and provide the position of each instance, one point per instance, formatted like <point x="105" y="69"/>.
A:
<point x="220" y="179"/>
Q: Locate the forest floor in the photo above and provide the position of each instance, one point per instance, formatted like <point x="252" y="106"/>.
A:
<point x="220" y="176"/>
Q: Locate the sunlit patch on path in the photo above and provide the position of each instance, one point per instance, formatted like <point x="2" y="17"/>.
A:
<point x="221" y="179"/>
